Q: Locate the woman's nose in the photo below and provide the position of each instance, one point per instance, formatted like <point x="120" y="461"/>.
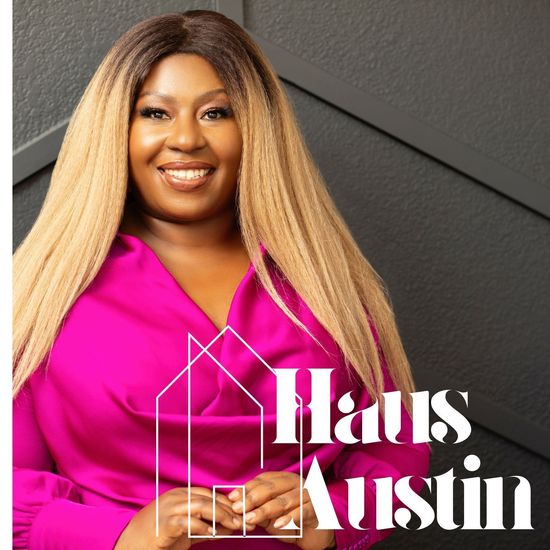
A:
<point x="186" y="134"/>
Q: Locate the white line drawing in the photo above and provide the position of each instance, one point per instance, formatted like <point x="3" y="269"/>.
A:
<point x="204" y="350"/>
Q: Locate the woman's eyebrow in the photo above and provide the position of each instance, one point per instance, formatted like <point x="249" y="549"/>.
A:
<point x="203" y="97"/>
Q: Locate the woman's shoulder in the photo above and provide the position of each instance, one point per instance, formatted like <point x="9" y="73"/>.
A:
<point x="124" y="264"/>
<point x="123" y="282"/>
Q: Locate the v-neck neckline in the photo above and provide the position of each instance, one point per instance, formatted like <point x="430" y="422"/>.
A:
<point x="168" y="274"/>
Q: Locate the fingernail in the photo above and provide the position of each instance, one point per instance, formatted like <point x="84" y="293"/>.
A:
<point x="236" y="521"/>
<point x="280" y="523"/>
<point x="233" y="494"/>
<point x="249" y="516"/>
<point x="210" y="530"/>
<point x="238" y="506"/>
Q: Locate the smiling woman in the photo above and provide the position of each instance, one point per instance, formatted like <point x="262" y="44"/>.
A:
<point x="184" y="203"/>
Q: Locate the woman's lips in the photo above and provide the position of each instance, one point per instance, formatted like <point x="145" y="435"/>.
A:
<point x="185" y="185"/>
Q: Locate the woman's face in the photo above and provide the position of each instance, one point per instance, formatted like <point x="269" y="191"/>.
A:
<point x="180" y="117"/>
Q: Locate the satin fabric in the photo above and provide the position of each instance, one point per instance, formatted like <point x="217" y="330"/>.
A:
<point x="85" y="425"/>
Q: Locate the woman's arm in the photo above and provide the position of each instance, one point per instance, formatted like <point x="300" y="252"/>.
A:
<point x="47" y="508"/>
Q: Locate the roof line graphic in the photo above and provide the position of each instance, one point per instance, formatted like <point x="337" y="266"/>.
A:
<point x="191" y="338"/>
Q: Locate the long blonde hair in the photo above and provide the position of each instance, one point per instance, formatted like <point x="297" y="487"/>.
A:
<point x="282" y="202"/>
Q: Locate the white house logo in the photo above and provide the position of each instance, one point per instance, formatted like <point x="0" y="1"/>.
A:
<point x="205" y="351"/>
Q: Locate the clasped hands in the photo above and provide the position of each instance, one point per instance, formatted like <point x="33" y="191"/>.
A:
<point x="272" y="500"/>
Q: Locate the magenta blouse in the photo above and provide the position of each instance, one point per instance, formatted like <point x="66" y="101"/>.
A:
<point x="85" y="428"/>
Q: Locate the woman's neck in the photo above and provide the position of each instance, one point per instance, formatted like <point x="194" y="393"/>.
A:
<point x="216" y="232"/>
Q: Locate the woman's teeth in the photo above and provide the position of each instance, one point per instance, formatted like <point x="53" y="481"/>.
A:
<point x="188" y="174"/>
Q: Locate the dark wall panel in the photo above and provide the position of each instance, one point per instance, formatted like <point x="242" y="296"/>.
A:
<point x="479" y="71"/>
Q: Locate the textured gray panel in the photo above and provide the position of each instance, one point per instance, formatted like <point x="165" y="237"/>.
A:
<point x="498" y="459"/>
<point x="464" y="265"/>
<point x="27" y="201"/>
<point x="407" y="129"/>
<point x="467" y="68"/>
<point x="57" y="46"/>
<point x="234" y="9"/>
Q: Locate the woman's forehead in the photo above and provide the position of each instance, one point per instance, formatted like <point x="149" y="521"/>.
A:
<point x="184" y="76"/>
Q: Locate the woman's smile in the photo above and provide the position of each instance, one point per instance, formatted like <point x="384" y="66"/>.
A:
<point x="186" y="180"/>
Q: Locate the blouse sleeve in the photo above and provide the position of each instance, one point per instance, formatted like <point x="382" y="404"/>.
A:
<point x="372" y="461"/>
<point x="47" y="509"/>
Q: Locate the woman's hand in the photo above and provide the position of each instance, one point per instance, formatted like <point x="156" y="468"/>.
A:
<point x="272" y="500"/>
<point x="140" y="532"/>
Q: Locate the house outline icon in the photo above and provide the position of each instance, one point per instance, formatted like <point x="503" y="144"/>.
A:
<point x="204" y="351"/>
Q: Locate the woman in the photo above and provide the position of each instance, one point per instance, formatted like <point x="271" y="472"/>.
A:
<point x="185" y="201"/>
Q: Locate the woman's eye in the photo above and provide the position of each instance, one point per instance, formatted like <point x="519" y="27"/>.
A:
<point x="224" y="112"/>
<point x="150" y="112"/>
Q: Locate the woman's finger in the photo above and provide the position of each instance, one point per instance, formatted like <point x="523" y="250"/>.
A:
<point x="181" y="505"/>
<point x="199" y="527"/>
<point x="179" y="525"/>
<point x="309" y="518"/>
<point x="220" y="497"/>
<point x="275" y="507"/>
<point x="204" y="509"/>
<point x="265" y="488"/>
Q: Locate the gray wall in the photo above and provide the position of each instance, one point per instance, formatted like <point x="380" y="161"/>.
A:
<point x="460" y="234"/>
